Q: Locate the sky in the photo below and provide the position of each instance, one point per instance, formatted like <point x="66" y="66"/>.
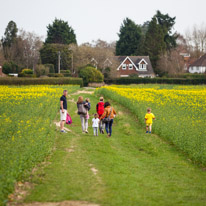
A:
<point x="97" y="19"/>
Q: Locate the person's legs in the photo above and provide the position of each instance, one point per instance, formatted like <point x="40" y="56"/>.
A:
<point x="150" y="128"/>
<point x="86" y="124"/>
<point x="82" y="122"/>
<point x="96" y="131"/>
<point x="103" y="126"/>
<point x="110" y="126"/>
<point x="107" y="127"/>
<point x="62" y="119"/>
<point x="147" y="127"/>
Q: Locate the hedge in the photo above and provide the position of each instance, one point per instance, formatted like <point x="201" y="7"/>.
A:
<point x="125" y="80"/>
<point x="37" y="81"/>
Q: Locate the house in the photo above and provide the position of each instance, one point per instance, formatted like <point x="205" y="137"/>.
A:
<point x="94" y="62"/>
<point x="198" y="66"/>
<point x="139" y="65"/>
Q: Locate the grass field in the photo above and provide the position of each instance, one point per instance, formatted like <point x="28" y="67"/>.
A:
<point x="131" y="168"/>
<point x="26" y="119"/>
<point x="180" y="112"/>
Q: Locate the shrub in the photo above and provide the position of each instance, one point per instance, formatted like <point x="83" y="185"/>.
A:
<point x="125" y="80"/>
<point x="66" y="73"/>
<point x="39" y="81"/>
<point x="91" y="74"/>
<point x="10" y="67"/>
<point x="51" y="67"/>
<point x="27" y="71"/>
<point x="41" y="70"/>
<point x="55" y="75"/>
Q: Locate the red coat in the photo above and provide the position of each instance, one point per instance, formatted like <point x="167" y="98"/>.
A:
<point x="100" y="109"/>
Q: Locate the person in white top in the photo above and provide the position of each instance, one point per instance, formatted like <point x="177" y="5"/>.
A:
<point x="95" y="124"/>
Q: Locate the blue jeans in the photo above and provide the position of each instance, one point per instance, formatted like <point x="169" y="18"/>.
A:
<point x="109" y="127"/>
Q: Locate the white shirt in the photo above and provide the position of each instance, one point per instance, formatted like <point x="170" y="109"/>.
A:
<point x="95" y="122"/>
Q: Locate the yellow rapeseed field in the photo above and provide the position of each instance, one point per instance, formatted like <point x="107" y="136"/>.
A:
<point x="180" y="112"/>
<point x="27" y="133"/>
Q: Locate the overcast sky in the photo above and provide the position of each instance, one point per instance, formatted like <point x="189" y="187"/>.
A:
<point x="93" y="19"/>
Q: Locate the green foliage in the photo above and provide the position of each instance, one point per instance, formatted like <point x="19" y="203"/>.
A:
<point x="41" y="70"/>
<point x="39" y="81"/>
<point x="10" y="67"/>
<point x="51" y="67"/>
<point x="167" y="23"/>
<point x="10" y="34"/>
<point x="133" y="80"/>
<point x="55" y="75"/>
<point x="59" y="32"/>
<point x="91" y="74"/>
<point x="66" y="73"/>
<point x="49" y="55"/>
<point x="129" y="38"/>
<point x="154" y="45"/>
<point x="27" y="71"/>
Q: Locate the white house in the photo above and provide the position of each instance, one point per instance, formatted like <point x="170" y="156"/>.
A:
<point x="198" y="66"/>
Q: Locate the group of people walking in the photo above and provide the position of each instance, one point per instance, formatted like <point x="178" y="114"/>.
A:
<point x="102" y="119"/>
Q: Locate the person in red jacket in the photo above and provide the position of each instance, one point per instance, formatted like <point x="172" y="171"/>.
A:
<point x="100" y="112"/>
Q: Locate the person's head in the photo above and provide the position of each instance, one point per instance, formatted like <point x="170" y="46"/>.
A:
<point x="95" y="116"/>
<point x="149" y="110"/>
<point x="107" y="104"/>
<point x="80" y="100"/>
<point x="65" y="93"/>
<point x="101" y="99"/>
<point x="87" y="100"/>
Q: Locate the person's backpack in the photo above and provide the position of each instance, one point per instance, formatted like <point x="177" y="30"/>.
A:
<point x="107" y="119"/>
<point x="100" y="108"/>
<point x="82" y="109"/>
<point x="68" y="119"/>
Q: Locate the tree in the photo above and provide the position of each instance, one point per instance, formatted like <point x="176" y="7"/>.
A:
<point x="9" y="38"/>
<point x="59" y="32"/>
<point x="154" y="45"/>
<point x="49" y="55"/>
<point x="196" y="40"/>
<point x="129" y="38"/>
<point x="91" y="74"/>
<point x="167" y="23"/>
<point x="171" y="62"/>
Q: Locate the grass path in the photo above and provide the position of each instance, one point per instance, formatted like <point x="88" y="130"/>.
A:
<point x="131" y="168"/>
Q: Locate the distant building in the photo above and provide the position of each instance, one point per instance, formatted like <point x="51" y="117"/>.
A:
<point x="139" y="65"/>
<point x="199" y="66"/>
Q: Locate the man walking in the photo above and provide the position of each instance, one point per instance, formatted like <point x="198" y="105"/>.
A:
<point x="63" y="110"/>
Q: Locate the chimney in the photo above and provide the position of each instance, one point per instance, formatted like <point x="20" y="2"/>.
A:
<point x="0" y="70"/>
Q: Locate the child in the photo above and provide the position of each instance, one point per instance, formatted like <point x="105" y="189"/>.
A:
<point x="148" y="120"/>
<point x="88" y="106"/>
<point x="95" y="124"/>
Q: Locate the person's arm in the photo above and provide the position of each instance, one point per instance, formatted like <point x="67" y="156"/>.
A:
<point x="145" y="119"/>
<point x="114" y="111"/>
<point x="62" y="108"/>
<point x="89" y="106"/>
<point x="97" y="107"/>
<point x="104" y="114"/>
<point x="154" y="117"/>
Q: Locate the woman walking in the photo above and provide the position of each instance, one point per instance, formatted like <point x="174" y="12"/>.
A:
<point x="83" y="108"/>
<point x="108" y="117"/>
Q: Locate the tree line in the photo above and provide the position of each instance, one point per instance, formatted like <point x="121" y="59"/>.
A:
<point x="155" y="38"/>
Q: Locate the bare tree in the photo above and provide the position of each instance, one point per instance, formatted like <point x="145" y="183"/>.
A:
<point x="196" y="40"/>
<point x="171" y="62"/>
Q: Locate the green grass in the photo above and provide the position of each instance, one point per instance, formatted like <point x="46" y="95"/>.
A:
<point x="133" y="168"/>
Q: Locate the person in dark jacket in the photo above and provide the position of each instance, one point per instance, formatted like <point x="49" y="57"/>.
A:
<point x="100" y="112"/>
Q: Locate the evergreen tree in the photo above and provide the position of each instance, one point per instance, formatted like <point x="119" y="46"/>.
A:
<point x="10" y="34"/>
<point x="167" y="23"/>
<point x="129" y="38"/>
<point x="59" y="32"/>
<point x="154" y="44"/>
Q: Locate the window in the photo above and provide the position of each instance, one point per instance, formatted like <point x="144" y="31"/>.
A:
<point x="124" y="66"/>
<point x="143" y="66"/>
<point x="130" y="66"/>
